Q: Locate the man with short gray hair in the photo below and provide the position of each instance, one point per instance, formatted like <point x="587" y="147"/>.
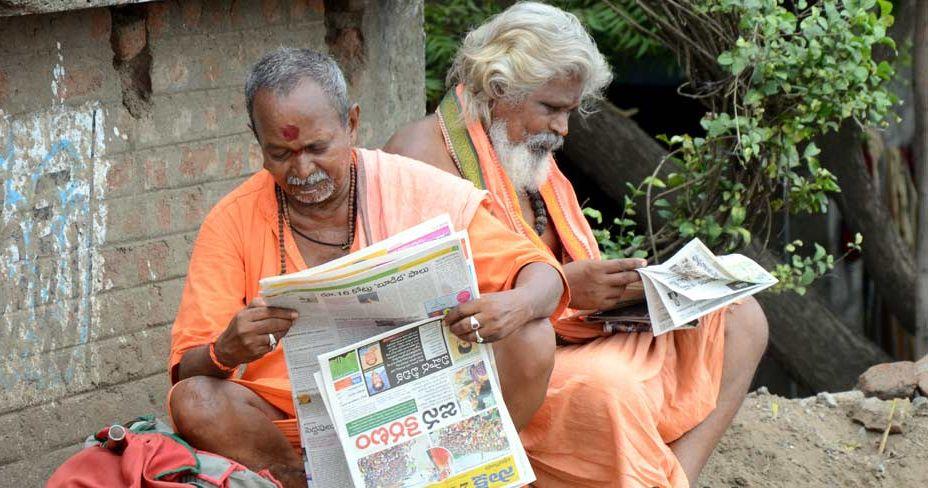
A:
<point x="624" y="410"/>
<point x="319" y="198"/>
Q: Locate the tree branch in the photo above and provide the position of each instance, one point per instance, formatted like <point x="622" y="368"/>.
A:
<point x="887" y="257"/>
<point x="811" y="341"/>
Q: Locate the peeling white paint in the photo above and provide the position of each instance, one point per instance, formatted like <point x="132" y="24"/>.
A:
<point x="58" y="75"/>
<point x="54" y="220"/>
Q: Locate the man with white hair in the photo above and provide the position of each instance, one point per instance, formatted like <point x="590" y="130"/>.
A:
<point x="623" y="410"/>
<point x="319" y="198"/>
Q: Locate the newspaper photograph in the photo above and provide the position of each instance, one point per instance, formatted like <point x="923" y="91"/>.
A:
<point x="695" y="282"/>
<point x="418" y="273"/>
<point x="419" y="407"/>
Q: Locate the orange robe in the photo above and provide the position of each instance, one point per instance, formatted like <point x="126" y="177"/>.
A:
<point x="614" y="402"/>
<point x="237" y="245"/>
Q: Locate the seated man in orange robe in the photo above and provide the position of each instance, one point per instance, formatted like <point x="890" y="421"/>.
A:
<point x="317" y="199"/>
<point x="627" y="410"/>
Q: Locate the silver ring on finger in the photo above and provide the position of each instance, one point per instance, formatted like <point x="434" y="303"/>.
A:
<point x="474" y="324"/>
<point x="271" y="341"/>
<point x="477" y="334"/>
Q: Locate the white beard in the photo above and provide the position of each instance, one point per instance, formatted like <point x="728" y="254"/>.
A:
<point x="526" y="163"/>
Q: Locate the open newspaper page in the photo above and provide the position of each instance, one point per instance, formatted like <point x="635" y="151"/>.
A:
<point x="695" y="282"/>
<point x="411" y="276"/>
<point x="418" y="407"/>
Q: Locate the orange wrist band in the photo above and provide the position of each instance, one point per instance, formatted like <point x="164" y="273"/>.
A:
<point x="215" y="360"/>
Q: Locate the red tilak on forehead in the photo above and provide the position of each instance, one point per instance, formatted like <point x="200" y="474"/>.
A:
<point x="290" y="132"/>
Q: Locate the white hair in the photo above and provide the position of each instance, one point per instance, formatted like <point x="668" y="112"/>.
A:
<point x="521" y="49"/>
<point x="527" y="163"/>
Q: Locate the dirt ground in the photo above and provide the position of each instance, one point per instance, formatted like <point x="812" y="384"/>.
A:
<point x="793" y="443"/>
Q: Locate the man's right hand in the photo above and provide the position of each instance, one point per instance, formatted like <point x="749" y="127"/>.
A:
<point x="247" y="336"/>
<point x="598" y="285"/>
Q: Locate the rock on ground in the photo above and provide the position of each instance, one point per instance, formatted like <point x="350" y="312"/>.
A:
<point x="778" y="442"/>
<point x="889" y="380"/>
<point x="874" y="414"/>
<point x="921" y="374"/>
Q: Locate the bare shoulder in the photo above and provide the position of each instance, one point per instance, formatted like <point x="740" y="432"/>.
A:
<point x="422" y="140"/>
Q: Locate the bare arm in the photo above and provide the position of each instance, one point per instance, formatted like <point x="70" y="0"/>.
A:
<point x="543" y="286"/>
<point x="246" y="339"/>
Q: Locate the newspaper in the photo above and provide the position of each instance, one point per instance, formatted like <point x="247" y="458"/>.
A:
<point x="415" y="274"/>
<point x="419" y="407"/>
<point x="695" y="282"/>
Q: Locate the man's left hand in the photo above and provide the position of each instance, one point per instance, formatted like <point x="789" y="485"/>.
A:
<point x="498" y="315"/>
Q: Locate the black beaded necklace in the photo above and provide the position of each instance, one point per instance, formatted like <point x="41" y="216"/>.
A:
<point x="541" y="213"/>
<point x="283" y="215"/>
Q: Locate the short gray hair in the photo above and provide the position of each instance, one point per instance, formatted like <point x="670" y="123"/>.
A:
<point x="521" y="49"/>
<point x="281" y="70"/>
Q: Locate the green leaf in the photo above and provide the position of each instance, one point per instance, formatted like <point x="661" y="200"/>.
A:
<point x="811" y="151"/>
<point x="687" y="229"/>
<point x="807" y="277"/>
<point x="726" y="58"/>
<point x="654" y="181"/>
<point x="737" y="215"/>
<point x="819" y="252"/>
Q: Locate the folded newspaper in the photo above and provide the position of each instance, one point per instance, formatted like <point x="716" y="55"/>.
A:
<point x="419" y="407"/>
<point x="695" y="282"/>
<point x="367" y="296"/>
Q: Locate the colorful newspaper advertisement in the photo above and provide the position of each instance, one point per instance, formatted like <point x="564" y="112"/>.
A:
<point x="418" y="407"/>
<point x="695" y="282"/>
<point x="416" y="274"/>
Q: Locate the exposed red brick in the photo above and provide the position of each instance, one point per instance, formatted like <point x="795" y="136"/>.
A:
<point x="317" y="5"/>
<point x="79" y="82"/>
<point x="129" y="39"/>
<point x="179" y="72"/>
<point x="156" y="18"/>
<point x="191" y="11"/>
<point x="153" y="260"/>
<point x="118" y="175"/>
<point x="155" y="173"/>
<point x="271" y="10"/>
<point x="194" y="161"/>
<point x="211" y="69"/>
<point x="298" y="9"/>
<point x="234" y="159"/>
<point x="211" y="118"/>
<point x="129" y="225"/>
<point x="348" y="49"/>
<point x="193" y="208"/>
<point x="164" y="215"/>
<point x="100" y="22"/>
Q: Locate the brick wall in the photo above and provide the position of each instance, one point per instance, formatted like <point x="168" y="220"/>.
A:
<point x="119" y="128"/>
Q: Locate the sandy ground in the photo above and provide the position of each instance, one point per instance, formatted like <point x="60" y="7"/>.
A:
<point x="780" y="442"/>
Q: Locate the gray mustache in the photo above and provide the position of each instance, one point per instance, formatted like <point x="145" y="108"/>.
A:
<point x="544" y="142"/>
<point x="312" y="179"/>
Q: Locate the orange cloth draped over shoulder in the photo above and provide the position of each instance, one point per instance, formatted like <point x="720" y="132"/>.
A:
<point x="238" y="245"/>
<point x="614" y="401"/>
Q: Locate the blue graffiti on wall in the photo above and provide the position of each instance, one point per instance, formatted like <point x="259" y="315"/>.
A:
<point x="46" y="219"/>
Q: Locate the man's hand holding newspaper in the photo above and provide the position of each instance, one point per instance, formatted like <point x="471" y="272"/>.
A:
<point x="695" y="282"/>
<point x="355" y="307"/>
<point x="692" y="283"/>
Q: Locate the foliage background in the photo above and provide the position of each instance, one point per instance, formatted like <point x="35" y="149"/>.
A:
<point x="772" y="76"/>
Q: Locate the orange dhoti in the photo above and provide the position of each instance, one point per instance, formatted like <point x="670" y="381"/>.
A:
<point x="614" y="402"/>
